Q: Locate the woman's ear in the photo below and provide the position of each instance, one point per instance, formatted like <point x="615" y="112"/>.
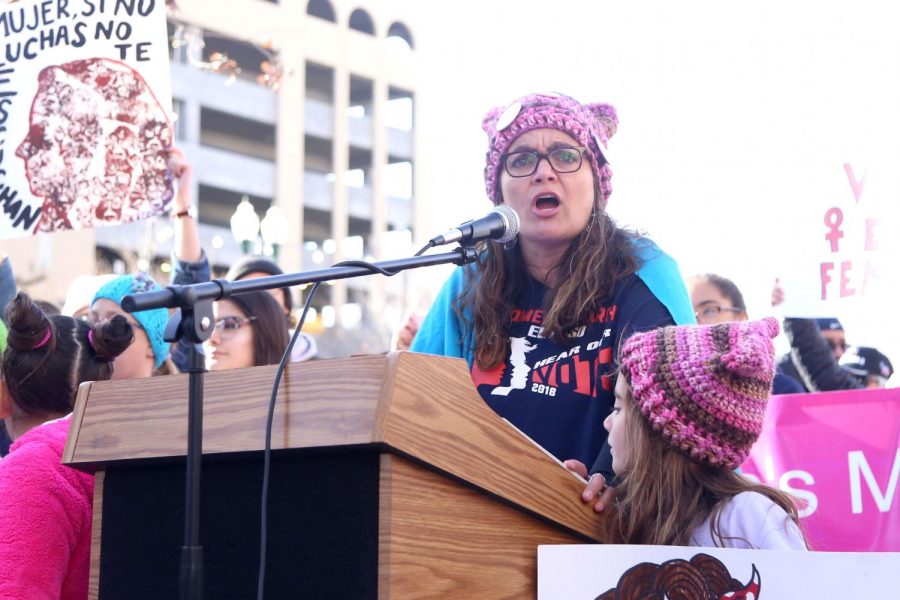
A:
<point x="5" y="401"/>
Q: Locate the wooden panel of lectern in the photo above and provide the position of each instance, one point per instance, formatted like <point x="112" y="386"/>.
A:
<point x="392" y="478"/>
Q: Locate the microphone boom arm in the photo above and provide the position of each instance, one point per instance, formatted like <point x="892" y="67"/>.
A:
<point x="176" y="296"/>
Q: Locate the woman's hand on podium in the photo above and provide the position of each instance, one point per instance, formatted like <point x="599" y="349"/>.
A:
<point x="596" y="490"/>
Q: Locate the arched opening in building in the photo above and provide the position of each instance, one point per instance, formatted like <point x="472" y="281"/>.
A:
<point x="110" y="260"/>
<point x="321" y="9"/>
<point x="361" y="21"/>
<point x="400" y="33"/>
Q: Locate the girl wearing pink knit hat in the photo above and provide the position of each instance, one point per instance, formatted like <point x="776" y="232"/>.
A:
<point x="690" y="403"/>
<point x="539" y="320"/>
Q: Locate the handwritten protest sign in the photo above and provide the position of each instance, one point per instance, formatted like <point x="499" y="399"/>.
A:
<point x="841" y="257"/>
<point x="840" y="260"/>
<point x="606" y="572"/>
<point x="85" y="95"/>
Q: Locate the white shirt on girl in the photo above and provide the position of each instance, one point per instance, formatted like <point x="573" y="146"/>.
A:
<point x="752" y="521"/>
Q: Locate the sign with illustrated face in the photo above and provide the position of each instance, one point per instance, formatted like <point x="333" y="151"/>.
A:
<point x="610" y="572"/>
<point x="85" y="95"/>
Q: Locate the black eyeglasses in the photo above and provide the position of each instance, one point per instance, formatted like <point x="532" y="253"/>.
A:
<point x="228" y="326"/>
<point x="711" y="311"/>
<point x="561" y="160"/>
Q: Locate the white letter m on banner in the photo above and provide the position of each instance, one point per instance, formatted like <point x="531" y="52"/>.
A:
<point x="859" y="466"/>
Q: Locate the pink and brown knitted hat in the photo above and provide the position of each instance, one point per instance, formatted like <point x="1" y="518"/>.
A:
<point x="704" y="389"/>
<point x="590" y="125"/>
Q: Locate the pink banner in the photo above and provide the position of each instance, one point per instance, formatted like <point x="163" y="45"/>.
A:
<point x="839" y="453"/>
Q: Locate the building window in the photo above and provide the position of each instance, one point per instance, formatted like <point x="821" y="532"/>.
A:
<point x="234" y="133"/>
<point x="321" y="9"/>
<point x="178" y="124"/>
<point x="361" y="21"/>
<point x="400" y="33"/>
<point x="248" y="56"/>
<point x="399" y="111"/>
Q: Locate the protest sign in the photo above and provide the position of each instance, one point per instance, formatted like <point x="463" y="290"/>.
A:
<point x="840" y="257"/>
<point x="606" y="572"/>
<point x="85" y="95"/>
<point x="839" y="454"/>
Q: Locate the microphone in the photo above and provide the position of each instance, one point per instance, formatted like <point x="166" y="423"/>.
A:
<point x="501" y="224"/>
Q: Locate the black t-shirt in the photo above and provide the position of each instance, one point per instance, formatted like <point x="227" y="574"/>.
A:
<point x="560" y="394"/>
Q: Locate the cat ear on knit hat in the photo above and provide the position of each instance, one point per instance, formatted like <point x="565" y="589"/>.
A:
<point x="489" y="123"/>
<point x="752" y="353"/>
<point x="606" y="117"/>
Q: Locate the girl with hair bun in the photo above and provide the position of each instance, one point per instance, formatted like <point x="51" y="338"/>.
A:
<point x="149" y="355"/>
<point x="45" y="506"/>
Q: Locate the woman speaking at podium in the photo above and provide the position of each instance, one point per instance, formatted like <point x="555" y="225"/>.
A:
<point x="540" y="319"/>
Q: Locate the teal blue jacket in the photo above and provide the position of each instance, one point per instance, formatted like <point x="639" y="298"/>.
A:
<point x="443" y="332"/>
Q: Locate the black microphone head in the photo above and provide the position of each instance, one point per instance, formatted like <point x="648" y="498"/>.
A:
<point x="510" y="220"/>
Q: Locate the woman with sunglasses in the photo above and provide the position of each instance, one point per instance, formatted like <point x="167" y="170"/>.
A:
<point x="251" y="330"/>
<point x="540" y="320"/>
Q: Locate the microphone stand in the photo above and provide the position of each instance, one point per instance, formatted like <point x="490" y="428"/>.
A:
<point x="195" y="322"/>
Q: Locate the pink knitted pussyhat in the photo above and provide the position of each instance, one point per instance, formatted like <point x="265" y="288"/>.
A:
<point x="704" y="389"/>
<point x="590" y="125"/>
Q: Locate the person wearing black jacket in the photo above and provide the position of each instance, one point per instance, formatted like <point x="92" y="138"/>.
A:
<point x="812" y="359"/>
<point x="871" y="367"/>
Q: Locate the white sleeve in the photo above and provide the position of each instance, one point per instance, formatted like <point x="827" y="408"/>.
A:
<point x="751" y="520"/>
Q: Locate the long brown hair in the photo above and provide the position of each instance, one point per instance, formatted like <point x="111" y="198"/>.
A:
<point x="270" y="326"/>
<point x="596" y="260"/>
<point x="664" y="496"/>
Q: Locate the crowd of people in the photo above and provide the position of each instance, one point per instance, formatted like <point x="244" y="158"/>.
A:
<point x="581" y="333"/>
<point x="48" y="351"/>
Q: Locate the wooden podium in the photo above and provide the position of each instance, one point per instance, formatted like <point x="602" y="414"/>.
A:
<point x="391" y="478"/>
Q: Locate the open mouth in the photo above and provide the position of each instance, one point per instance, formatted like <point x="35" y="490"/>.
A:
<point x="545" y="202"/>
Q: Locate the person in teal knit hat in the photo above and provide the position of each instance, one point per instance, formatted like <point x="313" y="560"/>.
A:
<point x="149" y="354"/>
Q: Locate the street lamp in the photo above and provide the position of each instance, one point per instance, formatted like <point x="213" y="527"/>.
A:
<point x="274" y="230"/>
<point x="245" y="224"/>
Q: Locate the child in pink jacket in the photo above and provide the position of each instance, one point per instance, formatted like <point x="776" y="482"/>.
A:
<point x="45" y="506"/>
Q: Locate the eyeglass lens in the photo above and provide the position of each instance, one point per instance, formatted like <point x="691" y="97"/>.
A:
<point x="711" y="311"/>
<point x="229" y="323"/>
<point x="562" y="160"/>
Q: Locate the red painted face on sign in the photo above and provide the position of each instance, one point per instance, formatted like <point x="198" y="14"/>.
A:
<point x="96" y="148"/>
